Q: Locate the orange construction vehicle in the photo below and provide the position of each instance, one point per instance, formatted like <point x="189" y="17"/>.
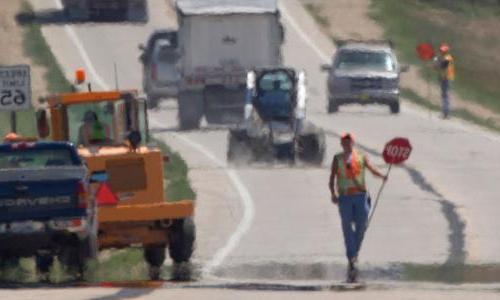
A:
<point x="111" y="132"/>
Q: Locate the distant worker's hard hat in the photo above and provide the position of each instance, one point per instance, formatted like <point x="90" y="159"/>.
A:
<point x="347" y="136"/>
<point x="10" y="137"/>
<point x="444" y="47"/>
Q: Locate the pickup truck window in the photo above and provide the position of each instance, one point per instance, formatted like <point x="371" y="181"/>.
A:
<point x="376" y="60"/>
<point x="35" y="158"/>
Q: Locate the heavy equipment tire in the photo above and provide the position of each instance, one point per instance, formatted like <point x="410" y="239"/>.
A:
<point x="312" y="148"/>
<point x="394" y="107"/>
<point x="154" y="256"/>
<point x="238" y="149"/>
<point x="190" y="110"/>
<point x="333" y="107"/>
<point x="181" y="236"/>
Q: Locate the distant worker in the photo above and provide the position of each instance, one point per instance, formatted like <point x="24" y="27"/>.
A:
<point x="348" y="172"/>
<point x="92" y="131"/>
<point x="445" y="65"/>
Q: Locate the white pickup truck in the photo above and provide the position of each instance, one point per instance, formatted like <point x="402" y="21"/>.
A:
<point x="218" y="42"/>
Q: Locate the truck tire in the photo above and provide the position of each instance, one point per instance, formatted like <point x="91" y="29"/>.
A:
<point x="43" y="263"/>
<point x="181" y="236"/>
<point x="190" y="110"/>
<point x="394" y="107"/>
<point x="74" y="257"/>
<point x="154" y="256"/>
<point x="332" y="106"/>
<point x="239" y="151"/>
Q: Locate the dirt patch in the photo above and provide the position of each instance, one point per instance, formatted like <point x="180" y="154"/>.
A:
<point x="343" y="19"/>
<point x="12" y="53"/>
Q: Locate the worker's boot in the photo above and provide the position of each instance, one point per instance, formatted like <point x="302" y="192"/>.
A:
<point x="352" y="271"/>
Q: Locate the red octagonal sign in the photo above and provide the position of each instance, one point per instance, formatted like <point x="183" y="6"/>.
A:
<point x="397" y="151"/>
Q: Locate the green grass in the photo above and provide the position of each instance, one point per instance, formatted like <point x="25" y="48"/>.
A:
<point x="315" y="12"/>
<point x="35" y="46"/>
<point x="406" y="23"/>
<point x="175" y="171"/>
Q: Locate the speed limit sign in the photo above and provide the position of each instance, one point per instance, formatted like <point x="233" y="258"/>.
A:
<point x="15" y="88"/>
<point x="397" y="151"/>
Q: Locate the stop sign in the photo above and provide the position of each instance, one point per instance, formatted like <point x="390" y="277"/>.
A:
<point x="397" y="151"/>
<point x="425" y="51"/>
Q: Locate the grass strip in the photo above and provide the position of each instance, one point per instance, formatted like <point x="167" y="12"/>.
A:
<point x="35" y="46"/>
<point x="175" y="171"/>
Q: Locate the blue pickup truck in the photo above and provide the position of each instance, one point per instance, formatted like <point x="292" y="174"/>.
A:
<point x="45" y="207"/>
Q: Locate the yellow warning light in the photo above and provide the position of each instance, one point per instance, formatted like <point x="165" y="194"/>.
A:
<point x="80" y="76"/>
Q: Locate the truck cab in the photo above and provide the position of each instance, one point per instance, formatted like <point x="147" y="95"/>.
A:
<point x="45" y="208"/>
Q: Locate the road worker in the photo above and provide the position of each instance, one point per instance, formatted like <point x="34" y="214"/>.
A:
<point x="92" y="131"/>
<point x="445" y="65"/>
<point x="348" y="174"/>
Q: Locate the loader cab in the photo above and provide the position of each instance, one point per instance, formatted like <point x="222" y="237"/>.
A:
<point x="275" y="94"/>
<point x="103" y="119"/>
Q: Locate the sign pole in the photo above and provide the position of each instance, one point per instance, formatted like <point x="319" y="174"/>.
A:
<point x="13" y="121"/>
<point x="377" y="198"/>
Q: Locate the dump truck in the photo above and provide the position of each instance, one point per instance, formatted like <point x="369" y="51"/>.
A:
<point x="218" y="42"/>
<point x="84" y="10"/>
<point x="111" y="131"/>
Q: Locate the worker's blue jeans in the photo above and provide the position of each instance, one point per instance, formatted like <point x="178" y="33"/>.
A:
<point x="354" y="211"/>
<point x="445" y="91"/>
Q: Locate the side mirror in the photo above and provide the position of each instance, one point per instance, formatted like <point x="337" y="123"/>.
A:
<point x="42" y="124"/>
<point x="404" y="68"/>
<point x="326" y="68"/>
<point x="141" y="47"/>
<point x="99" y="177"/>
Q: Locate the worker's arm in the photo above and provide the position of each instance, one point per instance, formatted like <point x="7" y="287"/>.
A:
<point x="331" y="183"/>
<point x="373" y="169"/>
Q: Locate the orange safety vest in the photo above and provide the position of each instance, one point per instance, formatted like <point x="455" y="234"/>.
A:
<point x="449" y="72"/>
<point x="350" y="180"/>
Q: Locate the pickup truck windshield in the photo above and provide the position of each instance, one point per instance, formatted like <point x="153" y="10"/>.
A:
<point x="379" y="61"/>
<point x="35" y="158"/>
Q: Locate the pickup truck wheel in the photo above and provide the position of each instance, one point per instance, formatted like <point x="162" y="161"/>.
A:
<point x="394" y="107"/>
<point x="182" y="235"/>
<point x="73" y="257"/>
<point x="154" y="256"/>
<point x="190" y="110"/>
<point x="43" y="263"/>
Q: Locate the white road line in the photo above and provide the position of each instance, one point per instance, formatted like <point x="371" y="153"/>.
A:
<point x="246" y="198"/>
<point x="303" y="35"/>
<point x="83" y="53"/>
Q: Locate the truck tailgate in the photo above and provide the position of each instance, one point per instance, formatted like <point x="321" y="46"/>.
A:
<point x="40" y="194"/>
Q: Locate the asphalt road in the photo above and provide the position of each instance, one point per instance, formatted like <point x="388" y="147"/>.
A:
<point x="275" y="224"/>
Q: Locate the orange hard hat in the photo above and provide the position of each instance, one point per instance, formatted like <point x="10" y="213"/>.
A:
<point x="10" y="137"/>
<point x="347" y="135"/>
<point x="444" y="47"/>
